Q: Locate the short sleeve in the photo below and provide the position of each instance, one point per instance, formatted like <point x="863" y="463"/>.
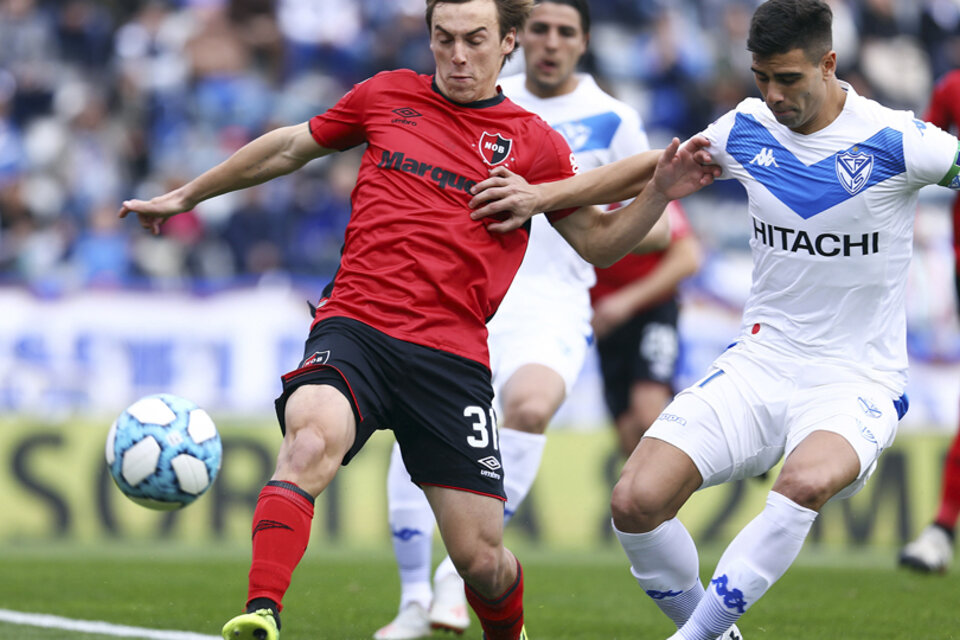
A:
<point x="554" y="161"/>
<point x="717" y="133"/>
<point x="931" y="155"/>
<point x="344" y="125"/>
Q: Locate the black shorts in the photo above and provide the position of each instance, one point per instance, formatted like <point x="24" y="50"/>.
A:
<point x="439" y="405"/>
<point x="644" y="348"/>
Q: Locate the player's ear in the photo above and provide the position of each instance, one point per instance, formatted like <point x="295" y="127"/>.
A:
<point x="509" y="42"/>
<point x="828" y="64"/>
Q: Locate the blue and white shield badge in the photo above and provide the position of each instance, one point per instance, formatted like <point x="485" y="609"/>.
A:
<point x="853" y="169"/>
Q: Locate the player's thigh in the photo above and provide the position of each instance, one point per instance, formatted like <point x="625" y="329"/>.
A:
<point x="862" y="414"/>
<point x="721" y="423"/>
<point x="469" y="523"/>
<point x="445" y="424"/>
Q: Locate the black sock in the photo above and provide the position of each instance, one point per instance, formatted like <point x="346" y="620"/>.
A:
<point x="264" y="603"/>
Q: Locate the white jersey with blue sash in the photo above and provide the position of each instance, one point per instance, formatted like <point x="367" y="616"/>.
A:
<point x="832" y="228"/>
<point x="599" y="129"/>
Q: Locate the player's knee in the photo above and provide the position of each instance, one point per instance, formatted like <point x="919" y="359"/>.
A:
<point x="530" y="415"/>
<point x="635" y="507"/>
<point x="807" y="490"/>
<point x="481" y="569"/>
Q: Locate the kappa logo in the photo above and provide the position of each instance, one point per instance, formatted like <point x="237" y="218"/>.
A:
<point x="494" y="148"/>
<point x="732" y="598"/>
<point x="406" y="534"/>
<point x="765" y="158"/>
<point x="853" y="169"/>
<point x="319" y="357"/>
<point x="869" y="408"/>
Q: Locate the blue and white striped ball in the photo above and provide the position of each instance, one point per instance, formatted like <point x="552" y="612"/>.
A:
<point x="163" y="452"/>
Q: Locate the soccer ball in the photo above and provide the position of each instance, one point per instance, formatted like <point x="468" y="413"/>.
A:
<point x="163" y="452"/>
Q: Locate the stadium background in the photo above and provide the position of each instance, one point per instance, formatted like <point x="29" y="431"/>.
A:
<point x="100" y="101"/>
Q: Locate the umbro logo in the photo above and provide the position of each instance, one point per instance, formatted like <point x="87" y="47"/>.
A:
<point x="405" y="113"/>
<point x="490" y="462"/>
<point x="263" y="525"/>
<point x="765" y="158"/>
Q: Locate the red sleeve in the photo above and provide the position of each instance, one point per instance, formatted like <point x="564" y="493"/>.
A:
<point x="939" y="111"/>
<point x="343" y="125"/>
<point x="679" y="225"/>
<point x="554" y="161"/>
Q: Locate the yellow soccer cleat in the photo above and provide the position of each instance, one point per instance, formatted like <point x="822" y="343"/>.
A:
<point x="257" y="625"/>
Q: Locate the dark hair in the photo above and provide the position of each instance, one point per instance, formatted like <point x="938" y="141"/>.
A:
<point x="582" y="7"/>
<point x="779" y="26"/>
<point x="511" y="14"/>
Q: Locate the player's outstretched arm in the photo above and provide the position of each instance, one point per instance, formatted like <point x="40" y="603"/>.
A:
<point x="273" y="154"/>
<point x="603" y="238"/>
<point x="506" y="192"/>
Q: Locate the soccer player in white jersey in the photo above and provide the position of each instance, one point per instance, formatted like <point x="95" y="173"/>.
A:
<point x="540" y="335"/>
<point x="818" y="373"/>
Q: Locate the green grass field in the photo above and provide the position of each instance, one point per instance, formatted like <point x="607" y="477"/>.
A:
<point x="342" y="594"/>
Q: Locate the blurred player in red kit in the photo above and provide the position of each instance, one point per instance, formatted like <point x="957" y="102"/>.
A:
<point x="932" y="551"/>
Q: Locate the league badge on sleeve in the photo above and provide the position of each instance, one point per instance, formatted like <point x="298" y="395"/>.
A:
<point x="494" y="148"/>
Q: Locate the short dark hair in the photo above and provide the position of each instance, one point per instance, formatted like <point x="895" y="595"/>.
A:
<point x="582" y="7"/>
<point x="511" y="14"/>
<point x="779" y="26"/>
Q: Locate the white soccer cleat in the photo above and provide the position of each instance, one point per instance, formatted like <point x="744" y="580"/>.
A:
<point x="410" y="623"/>
<point x="731" y="634"/>
<point x="931" y="552"/>
<point x="449" y="608"/>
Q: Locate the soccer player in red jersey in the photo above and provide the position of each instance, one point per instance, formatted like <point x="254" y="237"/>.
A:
<point x="399" y="339"/>
<point x="932" y="551"/>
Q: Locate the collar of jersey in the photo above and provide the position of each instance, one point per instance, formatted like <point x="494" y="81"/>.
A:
<point x="478" y="104"/>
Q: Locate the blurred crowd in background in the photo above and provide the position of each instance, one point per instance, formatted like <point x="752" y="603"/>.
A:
<point x="103" y="101"/>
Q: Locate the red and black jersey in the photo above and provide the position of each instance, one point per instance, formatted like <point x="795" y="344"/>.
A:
<point x="414" y="264"/>
<point x="944" y="111"/>
<point x="633" y="266"/>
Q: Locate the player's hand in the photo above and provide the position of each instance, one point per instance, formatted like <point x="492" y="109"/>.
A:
<point x="154" y="212"/>
<point x="684" y="170"/>
<point x="507" y="197"/>
<point x="609" y="313"/>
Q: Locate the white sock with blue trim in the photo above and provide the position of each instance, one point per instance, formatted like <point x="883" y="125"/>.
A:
<point x="666" y="565"/>
<point x="757" y="557"/>
<point x="521" y="453"/>
<point x="411" y="530"/>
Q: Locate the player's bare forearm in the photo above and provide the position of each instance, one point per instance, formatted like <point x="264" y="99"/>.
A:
<point x="603" y="238"/>
<point x="273" y="154"/>
<point x="506" y="192"/>
<point x="657" y="239"/>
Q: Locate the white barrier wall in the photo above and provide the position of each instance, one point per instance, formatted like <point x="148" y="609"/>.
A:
<point x="96" y="351"/>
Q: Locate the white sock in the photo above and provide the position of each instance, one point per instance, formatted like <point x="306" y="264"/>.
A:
<point x="411" y="529"/>
<point x="521" y="453"/>
<point x="666" y="565"/>
<point x="757" y="557"/>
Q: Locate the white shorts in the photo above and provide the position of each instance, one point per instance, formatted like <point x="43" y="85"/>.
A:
<point x="558" y="340"/>
<point x="754" y="408"/>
